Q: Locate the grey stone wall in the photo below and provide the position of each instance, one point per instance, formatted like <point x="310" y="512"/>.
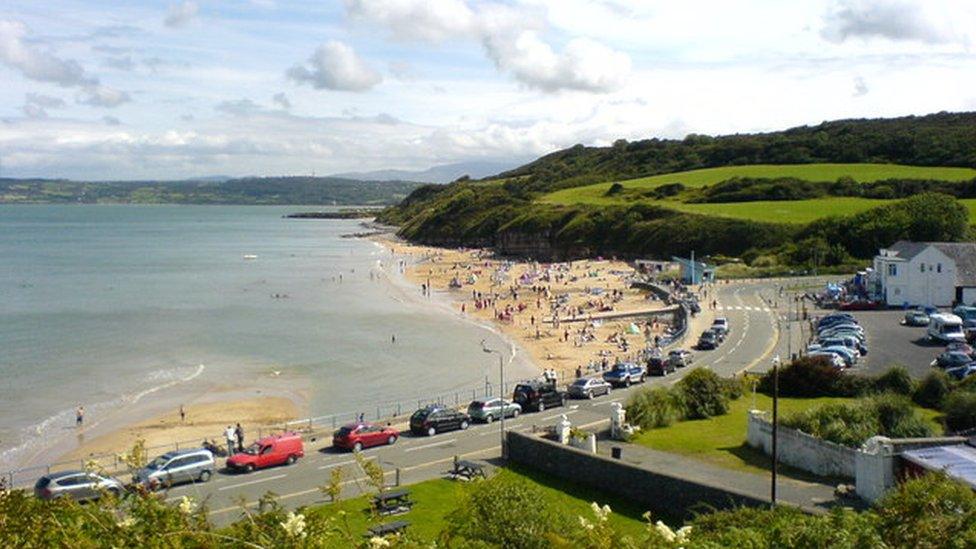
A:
<point x="662" y="494"/>
<point x="800" y="450"/>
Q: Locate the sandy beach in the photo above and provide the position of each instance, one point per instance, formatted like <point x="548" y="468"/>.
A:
<point x="558" y="313"/>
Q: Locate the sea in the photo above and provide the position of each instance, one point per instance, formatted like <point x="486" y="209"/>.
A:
<point x="129" y="309"/>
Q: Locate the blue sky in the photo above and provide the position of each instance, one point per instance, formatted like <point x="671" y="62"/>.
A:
<point x="119" y="90"/>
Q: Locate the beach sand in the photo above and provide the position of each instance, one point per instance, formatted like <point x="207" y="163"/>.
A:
<point x="203" y="421"/>
<point x="526" y="319"/>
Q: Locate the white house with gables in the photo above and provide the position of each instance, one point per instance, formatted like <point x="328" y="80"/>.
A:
<point x="926" y="273"/>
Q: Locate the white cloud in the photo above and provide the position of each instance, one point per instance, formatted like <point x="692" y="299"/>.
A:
<point x="281" y="100"/>
<point x="111" y="120"/>
<point x="122" y="63"/>
<point x="102" y="96"/>
<point x="181" y="14"/>
<point x="892" y="20"/>
<point x="860" y="87"/>
<point x="335" y="66"/>
<point x="426" y="20"/>
<point x="583" y="65"/>
<point x="36" y="63"/>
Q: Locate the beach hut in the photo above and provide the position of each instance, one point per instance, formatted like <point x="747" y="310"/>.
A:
<point x="694" y="272"/>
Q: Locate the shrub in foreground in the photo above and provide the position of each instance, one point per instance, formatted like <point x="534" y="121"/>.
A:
<point x="704" y="394"/>
<point x="653" y="408"/>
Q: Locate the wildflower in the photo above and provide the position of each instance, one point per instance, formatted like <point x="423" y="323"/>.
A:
<point x="682" y="534"/>
<point x="376" y="542"/>
<point x="187" y="505"/>
<point x="601" y="513"/>
<point x="585" y="523"/>
<point x="126" y="522"/>
<point x="294" y="524"/>
<point x="666" y="532"/>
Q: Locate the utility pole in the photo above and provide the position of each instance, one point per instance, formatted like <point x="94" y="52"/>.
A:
<point x="501" y="394"/>
<point x="772" y="488"/>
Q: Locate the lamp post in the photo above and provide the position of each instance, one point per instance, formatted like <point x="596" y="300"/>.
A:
<point x="776" y="361"/>
<point x="501" y="392"/>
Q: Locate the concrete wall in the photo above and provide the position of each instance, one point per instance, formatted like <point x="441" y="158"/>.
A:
<point x="877" y="463"/>
<point x="800" y="450"/>
<point x="661" y="493"/>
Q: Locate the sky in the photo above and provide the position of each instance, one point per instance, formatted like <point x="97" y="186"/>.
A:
<point x="101" y="89"/>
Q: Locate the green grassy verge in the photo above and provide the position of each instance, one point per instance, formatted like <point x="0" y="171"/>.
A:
<point x="435" y="499"/>
<point x="722" y="440"/>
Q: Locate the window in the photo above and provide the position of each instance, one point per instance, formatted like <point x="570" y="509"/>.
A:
<point x="921" y="268"/>
<point x="892" y="269"/>
<point x="938" y="267"/>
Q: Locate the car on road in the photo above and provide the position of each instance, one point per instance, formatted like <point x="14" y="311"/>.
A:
<point x="721" y="325"/>
<point x="537" y="395"/>
<point x="270" y="451"/>
<point x="437" y="418"/>
<point x="719" y="333"/>
<point x="659" y="365"/>
<point x="589" y="387"/>
<point x="625" y="374"/>
<point x="76" y="485"/>
<point x="960" y="373"/>
<point x="916" y="318"/>
<point x="489" y="410"/>
<point x="680" y="358"/>
<point x="952" y="359"/>
<point x="707" y="341"/>
<point x="356" y="436"/>
<point x="176" y="467"/>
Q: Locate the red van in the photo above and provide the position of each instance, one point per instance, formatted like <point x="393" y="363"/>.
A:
<point x="283" y="449"/>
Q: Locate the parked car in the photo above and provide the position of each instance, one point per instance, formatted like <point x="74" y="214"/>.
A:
<point x="76" y="485"/>
<point x="848" y="341"/>
<point x="536" y="395"/>
<point x="589" y="387"/>
<point x="952" y="359"/>
<point x="916" y="318"/>
<point x="719" y="333"/>
<point x="849" y="355"/>
<point x="270" y="451"/>
<point x="833" y="359"/>
<point x="680" y="358"/>
<point x="625" y="374"/>
<point x="860" y="305"/>
<point x="176" y="467"/>
<point x="835" y="318"/>
<point x="493" y="408"/>
<point x="707" y="341"/>
<point x="960" y="373"/>
<point x="962" y="347"/>
<point x="437" y="418"/>
<point x="356" y="436"/>
<point x="660" y="366"/>
<point x="945" y="328"/>
<point x="721" y="325"/>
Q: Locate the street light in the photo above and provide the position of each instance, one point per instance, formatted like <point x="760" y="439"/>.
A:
<point x="776" y="361"/>
<point x="501" y="391"/>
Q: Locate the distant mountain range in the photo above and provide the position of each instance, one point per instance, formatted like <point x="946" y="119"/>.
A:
<point x="444" y="173"/>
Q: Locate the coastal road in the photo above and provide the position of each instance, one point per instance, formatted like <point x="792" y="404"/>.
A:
<point x="752" y="339"/>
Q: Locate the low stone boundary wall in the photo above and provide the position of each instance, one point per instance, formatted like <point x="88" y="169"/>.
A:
<point x="800" y="450"/>
<point x="661" y="493"/>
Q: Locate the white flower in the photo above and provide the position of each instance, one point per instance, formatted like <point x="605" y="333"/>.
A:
<point x="187" y="505"/>
<point x="665" y="531"/>
<point x="601" y="513"/>
<point x="294" y="524"/>
<point x="585" y="523"/>
<point x="376" y="542"/>
<point x="126" y="522"/>
<point x="682" y="534"/>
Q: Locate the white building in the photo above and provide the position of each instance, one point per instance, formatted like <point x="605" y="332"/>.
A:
<point x="926" y="273"/>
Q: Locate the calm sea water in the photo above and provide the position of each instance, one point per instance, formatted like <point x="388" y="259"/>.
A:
<point x="117" y="307"/>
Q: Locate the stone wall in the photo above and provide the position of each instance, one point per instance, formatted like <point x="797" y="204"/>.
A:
<point x="661" y="493"/>
<point x="800" y="450"/>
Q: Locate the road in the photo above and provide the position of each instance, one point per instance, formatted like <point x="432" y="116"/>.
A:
<point x="751" y="341"/>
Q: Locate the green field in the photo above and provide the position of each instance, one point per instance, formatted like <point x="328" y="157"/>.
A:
<point x="722" y="440"/>
<point x="781" y="211"/>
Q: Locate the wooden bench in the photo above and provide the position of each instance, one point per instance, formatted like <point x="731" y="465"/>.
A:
<point x="468" y="470"/>
<point x="393" y="502"/>
<point x="394" y="527"/>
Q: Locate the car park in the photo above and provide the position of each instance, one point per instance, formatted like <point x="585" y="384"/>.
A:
<point x="589" y="387"/>
<point x="536" y="395"/>
<point x="679" y="358"/>
<point x="176" y="467"/>
<point x="490" y="409"/>
<point x="952" y="359"/>
<point x="707" y="341"/>
<point x="270" y="451"/>
<point x="625" y="374"/>
<point x="437" y="418"/>
<point x="76" y="485"/>
<point x="960" y="373"/>
<point x="356" y="436"/>
<point x="916" y="318"/>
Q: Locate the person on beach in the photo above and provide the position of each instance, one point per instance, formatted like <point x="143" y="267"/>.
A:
<point x="182" y="414"/>
<point x="239" y="435"/>
<point x="80" y="416"/>
<point x="393" y="339"/>
<point x="229" y="436"/>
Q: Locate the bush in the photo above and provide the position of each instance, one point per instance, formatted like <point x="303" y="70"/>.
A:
<point x="897" y="417"/>
<point x="704" y="394"/>
<point x="735" y="387"/>
<point x="805" y="377"/>
<point x="932" y="390"/>
<point x="896" y="380"/>
<point x="930" y="511"/>
<point x="652" y="408"/>
<point x="851" y="424"/>
<point x="960" y="410"/>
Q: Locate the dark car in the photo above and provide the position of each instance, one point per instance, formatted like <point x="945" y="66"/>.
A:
<point x="658" y="365"/>
<point x="436" y="418"/>
<point x="835" y="318"/>
<point x="708" y="341"/>
<point x="625" y="374"/>
<point x="952" y="359"/>
<point x="536" y="395"/>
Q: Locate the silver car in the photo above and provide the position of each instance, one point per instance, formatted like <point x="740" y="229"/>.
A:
<point x="491" y="409"/>
<point x="177" y="467"/>
<point x="77" y="485"/>
<point x="589" y="387"/>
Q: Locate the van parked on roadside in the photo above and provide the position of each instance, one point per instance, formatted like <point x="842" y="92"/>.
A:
<point x="945" y="328"/>
<point x="283" y="449"/>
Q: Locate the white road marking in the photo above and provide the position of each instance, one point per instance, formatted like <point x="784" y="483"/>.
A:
<point x="432" y="444"/>
<point x="347" y="462"/>
<point x="232" y="486"/>
<point x="560" y="414"/>
<point x="606" y="402"/>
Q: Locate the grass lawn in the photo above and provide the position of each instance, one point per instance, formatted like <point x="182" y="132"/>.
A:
<point x="722" y="440"/>
<point x="782" y="211"/>
<point x="435" y="499"/>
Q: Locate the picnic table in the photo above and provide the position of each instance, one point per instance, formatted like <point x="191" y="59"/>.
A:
<point x="468" y="469"/>
<point x="392" y="502"/>
<point x="394" y="527"/>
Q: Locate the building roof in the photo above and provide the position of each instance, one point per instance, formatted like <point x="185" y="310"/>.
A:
<point x="958" y="461"/>
<point x="686" y="263"/>
<point x="963" y="253"/>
